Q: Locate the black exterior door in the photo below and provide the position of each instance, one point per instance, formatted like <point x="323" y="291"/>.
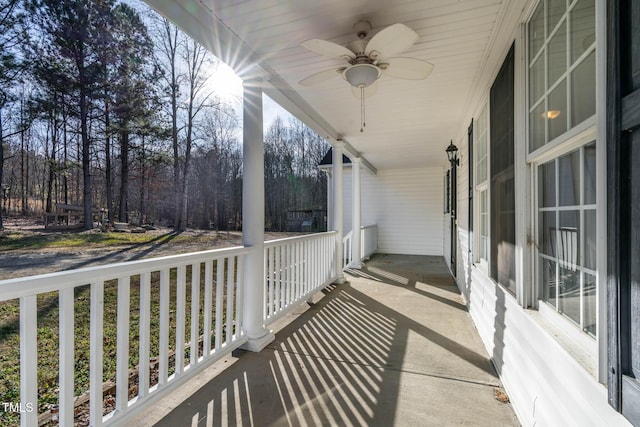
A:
<point x="623" y="211"/>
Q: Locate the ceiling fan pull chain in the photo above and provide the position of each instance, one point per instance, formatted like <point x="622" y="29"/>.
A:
<point x="362" y="111"/>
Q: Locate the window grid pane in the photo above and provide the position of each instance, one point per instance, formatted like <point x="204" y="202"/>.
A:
<point x="484" y="226"/>
<point x="536" y="31"/>
<point x="566" y="236"/>
<point x="562" y="37"/>
<point x="557" y="53"/>
<point x="481" y="147"/>
<point x="583" y="28"/>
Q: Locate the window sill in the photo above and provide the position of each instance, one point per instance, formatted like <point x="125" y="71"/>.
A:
<point x="579" y="345"/>
<point x="482" y="265"/>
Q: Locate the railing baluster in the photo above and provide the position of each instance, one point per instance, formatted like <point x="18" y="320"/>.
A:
<point x="299" y="259"/>
<point x="285" y="282"/>
<point x="122" y="350"/>
<point x="163" y="357"/>
<point x="287" y="270"/>
<point x="294" y="276"/>
<point x="272" y="285"/>
<point x="67" y="364"/>
<point x="145" y="328"/>
<point x="306" y="261"/>
<point x="327" y="254"/>
<point x="294" y="273"/>
<point x="239" y="295"/>
<point x="331" y="257"/>
<point x="29" y="360"/>
<point x="95" y="361"/>
<point x="208" y="289"/>
<point x="195" y="314"/>
<point x="276" y="291"/>
<point x="268" y="294"/>
<point x="287" y="290"/>
<point x="312" y="265"/>
<point x="316" y="254"/>
<point x="323" y="250"/>
<point x="181" y="285"/>
<point x="265" y="284"/>
<point x="320" y="273"/>
<point x="219" y="312"/>
<point x="230" y="283"/>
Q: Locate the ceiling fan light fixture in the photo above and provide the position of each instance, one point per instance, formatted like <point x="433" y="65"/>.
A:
<point x="361" y="75"/>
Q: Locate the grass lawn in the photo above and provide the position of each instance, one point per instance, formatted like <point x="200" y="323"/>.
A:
<point x="14" y="240"/>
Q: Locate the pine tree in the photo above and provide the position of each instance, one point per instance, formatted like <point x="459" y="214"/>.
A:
<point x="11" y="37"/>
<point x="69" y="41"/>
<point x="132" y="87"/>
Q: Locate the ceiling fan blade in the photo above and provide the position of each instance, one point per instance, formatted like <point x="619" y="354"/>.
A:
<point x="332" y="50"/>
<point x="392" y="40"/>
<point x="369" y="91"/>
<point x="406" y="68"/>
<point x="321" y="76"/>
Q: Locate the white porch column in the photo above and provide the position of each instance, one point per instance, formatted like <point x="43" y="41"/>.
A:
<point x="253" y="217"/>
<point x="330" y="211"/>
<point x="338" y="211"/>
<point x="355" y="222"/>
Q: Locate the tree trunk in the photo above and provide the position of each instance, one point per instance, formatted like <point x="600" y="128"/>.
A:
<point x="23" y="190"/>
<point x="86" y="160"/>
<point x="1" y="168"/>
<point x="108" y="173"/>
<point x="65" y="181"/>
<point x="143" y="182"/>
<point x="124" y="172"/>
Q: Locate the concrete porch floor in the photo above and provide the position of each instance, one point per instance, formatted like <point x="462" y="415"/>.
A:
<point x="394" y="345"/>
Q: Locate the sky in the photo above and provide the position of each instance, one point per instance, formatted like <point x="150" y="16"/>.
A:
<point x="227" y="85"/>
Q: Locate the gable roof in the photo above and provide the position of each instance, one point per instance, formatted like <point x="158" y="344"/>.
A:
<point x="327" y="160"/>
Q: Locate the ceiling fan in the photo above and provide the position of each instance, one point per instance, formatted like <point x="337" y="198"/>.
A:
<point x="369" y="59"/>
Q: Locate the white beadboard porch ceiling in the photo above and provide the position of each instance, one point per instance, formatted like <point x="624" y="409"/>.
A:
<point x="408" y="123"/>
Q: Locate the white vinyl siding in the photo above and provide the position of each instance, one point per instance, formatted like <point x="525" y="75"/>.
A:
<point x="406" y="204"/>
<point x="535" y="351"/>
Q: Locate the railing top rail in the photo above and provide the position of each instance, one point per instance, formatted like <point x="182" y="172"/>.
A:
<point x="34" y="285"/>
<point x="276" y="242"/>
<point x="368" y="226"/>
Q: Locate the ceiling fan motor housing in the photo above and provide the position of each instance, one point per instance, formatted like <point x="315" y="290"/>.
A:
<point x="362" y="28"/>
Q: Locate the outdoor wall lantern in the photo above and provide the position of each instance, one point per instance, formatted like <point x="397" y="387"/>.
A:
<point x="452" y="154"/>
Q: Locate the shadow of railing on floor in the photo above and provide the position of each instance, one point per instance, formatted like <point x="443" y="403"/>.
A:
<point x="339" y="363"/>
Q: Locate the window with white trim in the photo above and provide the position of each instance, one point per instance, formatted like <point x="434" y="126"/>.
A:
<point x="482" y="186"/>
<point x="561" y="93"/>
<point x="562" y="59"/>
<point x="567" y="235"/>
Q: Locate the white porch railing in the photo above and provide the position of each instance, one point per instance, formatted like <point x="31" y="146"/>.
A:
<point x="295" y="269"/>
<point x="145" y="291"/>
<point x="347" y="255"/>
<point x="368" y="244"/>
<point x="369" y="239"/>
